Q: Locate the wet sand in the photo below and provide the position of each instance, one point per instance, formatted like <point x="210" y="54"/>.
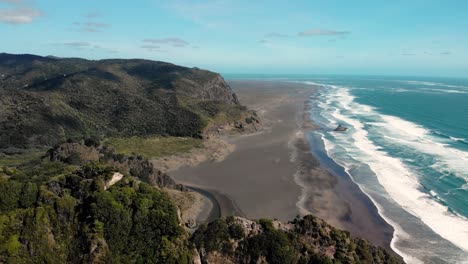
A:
<point x="275" y="174"/>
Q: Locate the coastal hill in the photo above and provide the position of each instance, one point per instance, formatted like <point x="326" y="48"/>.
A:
<point x="45" y="100"/>
<point x="68" y="196"/>
<point x="84" y="203"/>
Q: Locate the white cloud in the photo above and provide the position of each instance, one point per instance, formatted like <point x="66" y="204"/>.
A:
<point x="77" y="44"/>
<point x="209" y="13"/>
<point x="175" y="42"/>
<point x="11" y="1"/>
<point x="151" y="47"/>
<point x="92" y="15"/>
<point x="91" y="26"/>
<point x="275" y="35"/>
<point x="322" y="32"/>
<point x="19" y="15"/>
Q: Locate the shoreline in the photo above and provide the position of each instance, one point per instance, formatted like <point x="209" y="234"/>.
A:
<point x="282" y="174"/>
<point x="222" y="205"/>
<point x="358" y="224"/>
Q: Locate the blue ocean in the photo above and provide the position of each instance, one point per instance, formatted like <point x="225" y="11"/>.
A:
<point x="407" y="149"/>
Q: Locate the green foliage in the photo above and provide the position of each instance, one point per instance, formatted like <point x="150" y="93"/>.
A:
<point x="9" y="194"/>
<point x="273" y="244"/>
<point x="213" y="113"/>
<point x="153" y="147"/>
<point x="68" y="215"/>
<point x="75" y="98"/>
<point x="215" y="237"/>
<point x="28" y="195"/>
<point x="41" y="171"/>
<point x="310" y="240"/>
<point x="11" y="160"/>
<point x="236" y="231"/>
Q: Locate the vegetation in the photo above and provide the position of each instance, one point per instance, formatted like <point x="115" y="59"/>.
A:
<point x="66" y="216"/>
<point x="14" y="158"/>
<point x="45" y="101"/>
<point x="153" y="147"/>
<point x="306" y="240"/>
<point x="59" y="206"/>
<point x="214" y="113"/>
<point x="60" y="209"/>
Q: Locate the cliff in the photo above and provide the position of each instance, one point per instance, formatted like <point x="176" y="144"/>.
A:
<point x="303" y="240"/>
<point x="79" y="154"/>
<point x="44" y="101"/>
<point x="81" y="202"/>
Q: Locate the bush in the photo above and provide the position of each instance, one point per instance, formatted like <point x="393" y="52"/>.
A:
<point x="66" y="215"/>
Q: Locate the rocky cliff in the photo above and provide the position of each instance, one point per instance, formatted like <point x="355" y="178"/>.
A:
<point x="84" y="153"/>
<point x="44" y="100"/>
<point x="303" y="240"/>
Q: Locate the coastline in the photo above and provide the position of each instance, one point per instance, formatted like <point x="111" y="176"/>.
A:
<point x="283" y="172"/>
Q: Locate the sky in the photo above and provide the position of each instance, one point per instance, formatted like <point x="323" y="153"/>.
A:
<point x="365" y="37"/>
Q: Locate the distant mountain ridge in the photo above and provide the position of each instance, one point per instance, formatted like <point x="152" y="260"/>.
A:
<point x="46" y="100"/>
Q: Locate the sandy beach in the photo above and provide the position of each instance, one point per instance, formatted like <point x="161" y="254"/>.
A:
<point x="274" y="173"/>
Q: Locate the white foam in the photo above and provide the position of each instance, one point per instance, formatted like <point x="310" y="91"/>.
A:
<point x="434" y="84"/>
<point x="410" y="134"/>
<point x="421" y="83"/>
<point x="448" y="159"/>
<point x="402" y="90"/>
<point x="444" y="91"/>
<point x="457" y="139"/>
<point x="399" y="233"/>
<point x="404" y="126"/>
<point x="312" y="83"/>
<point x="399" y="181"/>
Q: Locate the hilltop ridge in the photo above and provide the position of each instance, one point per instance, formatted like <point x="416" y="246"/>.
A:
<point x="44" y="101"/>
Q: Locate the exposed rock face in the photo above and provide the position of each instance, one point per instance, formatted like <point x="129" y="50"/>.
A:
<point x="213" y="87"/>
<point x="114" y="179"/>
<point x="74" y="153"/>
<point x="340" y="128"/>
<point x="44" y="101"/>
<point x="250" y="228"/>
<point x="248" y="123"/>
<point x="98" y="251"/>
<point x="304" y="240"/>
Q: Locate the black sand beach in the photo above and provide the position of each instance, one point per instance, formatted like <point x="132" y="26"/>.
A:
<point x="278" y="174"/>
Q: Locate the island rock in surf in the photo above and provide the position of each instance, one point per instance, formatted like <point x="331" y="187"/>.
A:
<point x="340" y="128"/>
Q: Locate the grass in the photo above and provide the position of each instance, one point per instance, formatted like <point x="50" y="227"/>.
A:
<point x="214" y="113"/>
<point x="153" y="147"/>
<point x="18" y="159"/>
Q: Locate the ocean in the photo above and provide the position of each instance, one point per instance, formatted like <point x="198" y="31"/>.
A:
<point x="407" y="149"/>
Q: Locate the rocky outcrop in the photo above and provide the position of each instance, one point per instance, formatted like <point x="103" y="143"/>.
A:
<point x="113" y="180"/>
<point x="248" y="123"/>
<point x="77" y="153"/>
<point x="304" y="240"/>
<point x="99" y="250"/>
<point x="340" y="128"/>
<point x="74" y="153"/>
<point x="211" y="87"/>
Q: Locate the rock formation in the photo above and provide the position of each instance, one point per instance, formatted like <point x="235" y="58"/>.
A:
<point x="340" y="128"/>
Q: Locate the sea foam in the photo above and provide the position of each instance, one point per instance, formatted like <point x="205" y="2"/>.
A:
<point x="399" y="181"/>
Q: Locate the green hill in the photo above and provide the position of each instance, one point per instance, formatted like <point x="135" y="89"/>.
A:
<point x="83" y="202"/>
<point x="44" y="101"/>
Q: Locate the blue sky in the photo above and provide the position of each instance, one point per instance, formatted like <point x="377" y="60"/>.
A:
<point x="428" y="38"/>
